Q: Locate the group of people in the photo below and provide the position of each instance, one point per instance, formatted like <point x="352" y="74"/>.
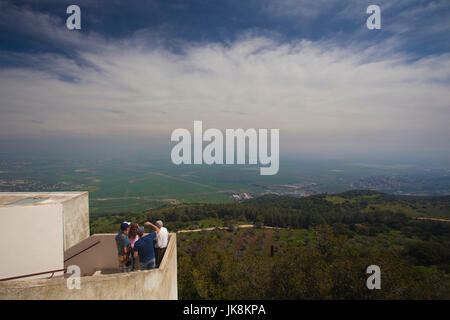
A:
<point x="134" y="246"/>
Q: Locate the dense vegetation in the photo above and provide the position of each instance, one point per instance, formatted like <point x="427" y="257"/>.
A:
<point x="239" y="265"/>
<point x="320" y="249"/>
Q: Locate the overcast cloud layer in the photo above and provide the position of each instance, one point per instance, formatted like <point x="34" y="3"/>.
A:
<point x="328" y="94"/>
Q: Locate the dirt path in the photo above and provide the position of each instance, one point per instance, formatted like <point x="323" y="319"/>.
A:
<point x="242" y="226"/>
<point x="432" y="219"/>
<point x="159" y="197"/>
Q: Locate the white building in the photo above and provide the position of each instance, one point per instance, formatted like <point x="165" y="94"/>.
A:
<point x="37" y="228"/>
<point x="46" y="232"/>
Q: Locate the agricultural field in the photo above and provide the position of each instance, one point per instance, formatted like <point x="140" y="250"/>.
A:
<point x="135" y="184"/>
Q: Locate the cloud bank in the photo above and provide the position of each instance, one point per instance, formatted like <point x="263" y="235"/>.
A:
<point x="323" y="96"/>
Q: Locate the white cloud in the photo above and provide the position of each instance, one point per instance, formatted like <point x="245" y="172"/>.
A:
<point x="319" y="94"/>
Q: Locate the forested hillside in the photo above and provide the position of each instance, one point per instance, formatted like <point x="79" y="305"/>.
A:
<point x="312" y="263"/>
<point x="350" y="208"/>
<point x="319" y="249"/>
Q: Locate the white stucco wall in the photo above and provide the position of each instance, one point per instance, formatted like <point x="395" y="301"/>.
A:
<point x="30" y="239"/>
<point x="76" y="219"/>
<point x="35" y="234"/>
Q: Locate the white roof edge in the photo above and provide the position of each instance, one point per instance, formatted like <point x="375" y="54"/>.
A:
<point x="69" y="194"/>
<point x="43" y="192"/>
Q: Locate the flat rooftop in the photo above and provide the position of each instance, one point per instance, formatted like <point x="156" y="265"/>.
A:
<point x="36" y="198"/>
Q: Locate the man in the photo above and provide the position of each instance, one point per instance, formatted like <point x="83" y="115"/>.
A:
<point x="161" y="242"/>
<point x="144" y="247"/>
<point x="122" y="243"/>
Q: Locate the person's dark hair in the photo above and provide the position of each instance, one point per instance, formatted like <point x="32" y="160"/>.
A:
<point x="140" y="232"/>
<point x="133" y="230"/>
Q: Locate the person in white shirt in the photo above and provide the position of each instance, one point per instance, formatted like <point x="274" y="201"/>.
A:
<point x="162" y="239"/>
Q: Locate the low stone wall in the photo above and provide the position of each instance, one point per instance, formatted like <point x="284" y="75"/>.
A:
<point x="153" y="284"/>
<point x="98" y="252"/>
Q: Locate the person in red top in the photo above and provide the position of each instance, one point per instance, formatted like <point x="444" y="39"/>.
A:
<point x="132" y="238"/>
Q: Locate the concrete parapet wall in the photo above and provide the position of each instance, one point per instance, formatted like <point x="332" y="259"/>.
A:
<point x="102" y="254"/>
<point x="158" y="283"/>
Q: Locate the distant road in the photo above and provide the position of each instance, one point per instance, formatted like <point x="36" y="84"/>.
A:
<point x="184" y="180"/>
<point x="432" y="219"/>
<point x="243" y="226"/>
<point x="161" y="197"/>
<point x="155" y="197"/>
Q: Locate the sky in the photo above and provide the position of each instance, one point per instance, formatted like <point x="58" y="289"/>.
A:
<point x="137" y="70"/>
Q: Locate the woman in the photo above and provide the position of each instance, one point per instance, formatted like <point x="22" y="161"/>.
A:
<point x="132" y="238"/>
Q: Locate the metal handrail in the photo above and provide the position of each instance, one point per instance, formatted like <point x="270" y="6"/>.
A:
<point x="76" y="254"/>
<point x="51" y="271"/>
<point x="34" y="274"/>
